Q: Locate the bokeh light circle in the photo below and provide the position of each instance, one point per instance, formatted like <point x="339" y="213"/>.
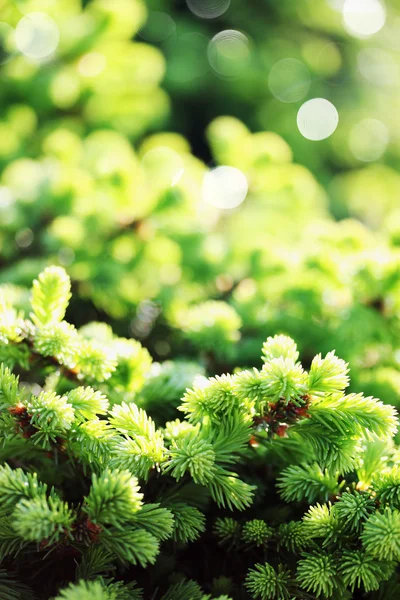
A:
<point x="289" y="80"/>
<point x="163" y="166"/>
<point x="336" y="5"/>
<point x="317" y="119"/>
<point x="24" y="238"/>
<point x="92" y="64"/>
<point x="208" y="9"/>
<point x="378" y="67"/>
<point x="229" y="53"/>
<point x="37" y="35"/>
<point x="368" y="140"/>
<point x="224" y="187"/>
<point x="363" y="18"/>
<point x="6" y="197"/>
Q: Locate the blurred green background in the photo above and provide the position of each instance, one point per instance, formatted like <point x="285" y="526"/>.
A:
<point x="114" y="117"/>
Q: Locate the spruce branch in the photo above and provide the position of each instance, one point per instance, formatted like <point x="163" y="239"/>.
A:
<point x="95" y="362"/>
<point x="50" y="296"/>
<point x="184" y="590"/>
<point x="87" y="403"/>
<point x="321" y="521"/>
<point x="9" y="388"/>
<point x="114" y="498"/>
<point x="16" y="485"/>
<point x="59" y="341"/>
<point x="95" y="561"/>
<point x="10" y="589"/>
<point x="130" y="545"/>
<point x="354" y="415"/>
<point x="386" y="486"/>
<point x="92" y="442"/>
<point x="359" y="569"/>
<point x="51" y="415"/>
<point x="256" y="532"/>
<point x="214" y="398"/>
<point x="279" y="346"/>
<point x="42" y="519"/>
<point x="317" y="572"/>
<point x="307" y="482"/>
<point x="292" y="536"/>
<point x="227" y="490"/>
<point x="230" y="440"/>
<point x="381" y="535"/>
<point x="188" y="524"/>
<point x="227" y="531"/>
<point x="191" y="454"/>
<point x="283" y="378"/>
<point x="264" y="582"/>
<point x="353" y="509"/>
<point x="100" y="589"/>
<point x="328" y="375"/>
<point x="157" y="520"/>
<point x="10" y="543"/>
<point x="142" y="446"/>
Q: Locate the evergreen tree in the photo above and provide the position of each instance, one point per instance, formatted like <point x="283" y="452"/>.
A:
<point x="273" y="483"/>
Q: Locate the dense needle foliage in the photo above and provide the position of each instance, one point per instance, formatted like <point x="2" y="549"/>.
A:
<point x="177" y="417"/>
<point x="77" y="186"/>
<point x="290" y="482"/>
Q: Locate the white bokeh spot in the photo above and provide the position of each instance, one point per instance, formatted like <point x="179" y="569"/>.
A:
<point x="229" y="53"/>
<point x="289" y="80"/>
<point x="363" y="18"/>
<point x="336" y="4"/>
<point x="317" y="119"/>
<point x="378" y="67"/>
<point x="368" y="140"/>
<point x="6" y="197"/>
<point x="224" y="187"/>
<point x="37" y="35"/>
<point x="208" y="9"/>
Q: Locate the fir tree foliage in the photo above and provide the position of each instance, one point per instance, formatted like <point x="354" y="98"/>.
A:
<point x="264" y="582"/>
<point x="92" y="474"/>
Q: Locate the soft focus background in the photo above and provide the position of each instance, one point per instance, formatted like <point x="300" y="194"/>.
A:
<point x="209" y="172"/>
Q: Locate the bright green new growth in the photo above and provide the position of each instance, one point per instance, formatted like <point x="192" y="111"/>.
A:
<point x="386" y="486"/>
<point x="256" y="532"/>
<point x="307" y="481"/>
<point x="42" y="519"/>
<point x="100" y="590"/>
<point x="321" y="522"/>
<point x="114" y="497"/>
<point x="51" y="415"/>
<point x="50" y="296"/>
<point x="354" y="509"/>
<point x="193" y="455"/>
<point x="359" y="569"/>
<point x="381" y="535"/>
<point x="265" y="583"/>
<point x="317" y="573"/>
<point x="189" y="522"/>
<point x="94" y="475"/>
